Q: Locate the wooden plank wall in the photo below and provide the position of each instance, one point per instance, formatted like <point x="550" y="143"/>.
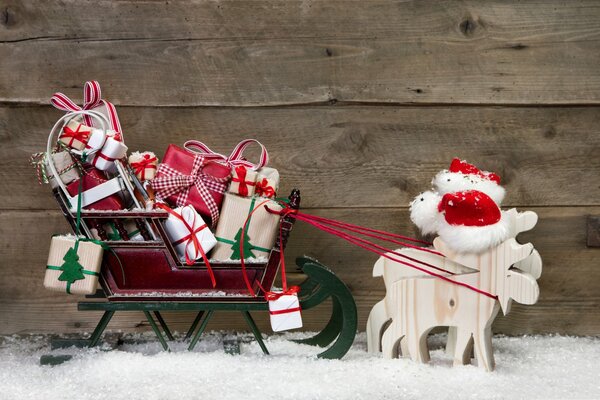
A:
<point x="359" y="103"/>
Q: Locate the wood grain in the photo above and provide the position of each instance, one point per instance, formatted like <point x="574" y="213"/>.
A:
<point x="271" y="53"/>
<point x="374" y="156"/>
<point x="568" y="304"/>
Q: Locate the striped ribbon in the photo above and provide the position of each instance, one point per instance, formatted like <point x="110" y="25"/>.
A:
<point x="92" y="98"/>
<point x="235" y="158"/>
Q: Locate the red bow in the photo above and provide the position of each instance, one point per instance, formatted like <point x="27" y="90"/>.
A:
<point x="270" y="296"/>
<point x="139" y="167"/>
<point x="240" y="177"/>
<point x="173" y="182"/>
<point x="82" y="136"/>
<point x="192" y="239"/>
<point x="263" y="189"/>
<point x="235" y="158"/>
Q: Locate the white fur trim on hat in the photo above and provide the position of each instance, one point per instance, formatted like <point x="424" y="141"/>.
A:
<point x="424" y="212"/>
<point x="474" y="239"/>
<point x="451" y="182"/>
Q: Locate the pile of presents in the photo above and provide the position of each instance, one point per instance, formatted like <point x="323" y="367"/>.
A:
<point x="210" y="197"/>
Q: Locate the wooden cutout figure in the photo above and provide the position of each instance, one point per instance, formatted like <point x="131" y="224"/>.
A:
<point x="420" y="304"/>
<point x="236" y="246"/>
<point x="71" y="269"/>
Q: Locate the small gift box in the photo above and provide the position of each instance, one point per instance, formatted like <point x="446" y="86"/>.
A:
<point x="73" y="265"/>
<point x="259" y="235"/>
<point x="112" y="150"/>
<point x="67" y="168"/>
<point x="144" y="165"/>
<point x="243" y="181"/>
<point x="284" y="311"/>
<point x="89" y="180"/>
<point x="188" y="233"/>
<point x="133" y="233"/>
<point x="187" y="178"/>
<point x="267" y="182"/>
<point x="75" y="135"/>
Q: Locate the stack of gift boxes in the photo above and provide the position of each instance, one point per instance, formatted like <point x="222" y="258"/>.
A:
<point x="211" y="198"/>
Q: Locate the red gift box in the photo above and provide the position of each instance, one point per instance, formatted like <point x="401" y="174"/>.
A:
<point x="93" y="178"/>
<point x="186" y="178"/>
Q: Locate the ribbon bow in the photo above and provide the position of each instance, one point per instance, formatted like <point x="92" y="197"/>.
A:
<point x="91" y="99"/>
<point x="240" y="178"/>
<point x="264" y="189"/>
<point x="139" y="167"/>
<point x="82" y="136"/>
<point x="271" y="296"/>
<point x="235" y="158"/>
<point x="172" y="182"/>
<point x="191" y="238"/>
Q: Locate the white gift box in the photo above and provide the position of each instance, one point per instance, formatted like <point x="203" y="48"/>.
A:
<point x="267" y="182"/>
<point x="89" y="257"/>
<point x="111" y="151"/>
<point x="181" y="236"/>
<point x="285" y="313"/>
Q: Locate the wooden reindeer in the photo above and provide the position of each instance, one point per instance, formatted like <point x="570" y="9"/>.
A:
<point x="393" y="271"/>
<point x="420" y="304"/>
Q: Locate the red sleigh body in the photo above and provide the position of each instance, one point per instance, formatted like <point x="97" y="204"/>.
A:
<point x="150" y="270"/>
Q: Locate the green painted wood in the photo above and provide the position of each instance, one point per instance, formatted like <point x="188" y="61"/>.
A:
<point x="231" y="346"/>
<point x="102" y="324"/>
<point x="200" y="330"/>
<point x="163" y="325"/>
<point x="194" y="325"/>
<point x="255" y="331"/>
<point x="154" y="327"/>
<point x="60" y="343"/>
<point x="331" y="330"/>
<point x="51" y="359"/>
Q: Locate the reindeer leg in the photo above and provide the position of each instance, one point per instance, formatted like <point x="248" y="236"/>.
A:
<point x="463" y="347"/>
<point x="377" y="319"/>
<point x="451" y="341"/>
<point x="483" y="349"/>
<point x="389" y="341"/>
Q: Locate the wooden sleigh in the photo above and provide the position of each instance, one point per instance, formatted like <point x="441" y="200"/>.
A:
<point x="148" y="276"/>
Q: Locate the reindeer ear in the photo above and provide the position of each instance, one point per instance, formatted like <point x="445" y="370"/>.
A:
<point x="526" y="221"/>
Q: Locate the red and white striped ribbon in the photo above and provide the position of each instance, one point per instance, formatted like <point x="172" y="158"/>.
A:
<point x="92" y="98"/>
<point x="235" y="158"/>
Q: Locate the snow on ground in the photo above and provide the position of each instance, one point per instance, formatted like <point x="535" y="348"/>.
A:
<point x="534" y="367"/>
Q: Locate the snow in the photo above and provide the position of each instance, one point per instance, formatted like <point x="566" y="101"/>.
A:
<point x="531" y="367"/>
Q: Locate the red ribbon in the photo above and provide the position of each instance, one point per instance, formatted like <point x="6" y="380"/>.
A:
<point x="235" y="158"/>
<point x="336" y="228"/>
<point x="285" y="311"/>
<point x="92" y="98"/>
<point x="276" y="295"/>
<point x="82" y="136"/>
<point x="139" y="167"/>
<point x="191" y="239"/>
<point x="263" y="189"/>
<point x="240" y="178"/>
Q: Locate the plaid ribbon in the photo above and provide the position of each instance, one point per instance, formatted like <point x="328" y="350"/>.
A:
<point x="172" y="182"/>
<point x="92" y="98"/>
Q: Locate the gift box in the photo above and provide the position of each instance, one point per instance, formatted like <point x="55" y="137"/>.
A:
<point x="144" y="165"/>
<point x="267" y="182"/>
<point x="260" y="233"/>
<point x="189" y="234"/>
<point x="186" y="178"/>
<point x="73" y="265"/>
<point x="284" y="312"/>
<point x="112" y="150"/>
<point x="243" y="181"/>
<point x="130" y="227"/>
<point x="67" y="168"/>
<point x="89" y="180"/>
<point x="75" y="135"/>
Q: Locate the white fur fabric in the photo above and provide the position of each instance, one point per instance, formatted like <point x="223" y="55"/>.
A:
<point x="452" y="182"/>
<point x="474" y="239"/>
<point x="424" y="212"/>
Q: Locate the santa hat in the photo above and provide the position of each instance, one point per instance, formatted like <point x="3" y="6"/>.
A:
<point x="463" y="176"/>
<point x="424" y="212"/>
<point x="472" y="222"/>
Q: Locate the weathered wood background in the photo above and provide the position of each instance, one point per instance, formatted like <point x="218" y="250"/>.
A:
<point x="359" y="103"/>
